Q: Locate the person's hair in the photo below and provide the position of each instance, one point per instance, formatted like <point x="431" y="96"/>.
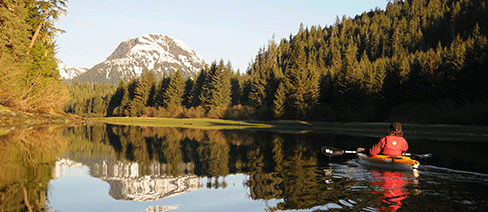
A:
<point x="396" y="129"/>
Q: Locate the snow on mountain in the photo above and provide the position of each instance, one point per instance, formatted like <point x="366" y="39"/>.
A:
<point x="156" y="52"/>
<point x="68" y="72"/>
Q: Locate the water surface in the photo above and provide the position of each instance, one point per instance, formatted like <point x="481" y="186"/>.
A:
<point x="122" y="168"/>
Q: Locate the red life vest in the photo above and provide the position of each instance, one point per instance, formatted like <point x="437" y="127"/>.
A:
<point x="390" y="145"/>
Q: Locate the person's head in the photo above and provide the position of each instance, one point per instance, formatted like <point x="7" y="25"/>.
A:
<point x="396" y="129"/>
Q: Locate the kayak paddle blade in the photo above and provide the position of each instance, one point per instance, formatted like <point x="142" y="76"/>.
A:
<point x="332" y="151"/>
<point x="428" y="155"/>
<point x="422" y="156"/>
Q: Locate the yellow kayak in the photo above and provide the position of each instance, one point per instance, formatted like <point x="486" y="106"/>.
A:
<point x="388" y="162"/>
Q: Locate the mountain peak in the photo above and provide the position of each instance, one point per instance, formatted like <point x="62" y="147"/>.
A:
<point x="149" y="42"/>
<point x="160" y="53"/>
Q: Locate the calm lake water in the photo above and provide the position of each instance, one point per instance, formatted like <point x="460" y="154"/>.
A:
<point x="122" y="168"/>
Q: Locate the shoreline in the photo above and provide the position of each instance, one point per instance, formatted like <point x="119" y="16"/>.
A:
<point x="12" y="120"/>
<point x="412" y="131"/>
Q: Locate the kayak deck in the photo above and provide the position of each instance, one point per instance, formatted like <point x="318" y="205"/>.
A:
<point x="388" y="162"/>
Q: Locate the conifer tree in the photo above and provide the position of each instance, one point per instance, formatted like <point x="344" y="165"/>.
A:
<point x="265" y="73"/>
<point x="455" y="57"/>
<point x="160" y="90"/>
<point x="129" y="95"/>
<point x="477" y="58"/>
<point x="116" y="99"/>
<point x="301" y="77"/>
<point x="198" y="92"/>
<point x="173" y="95"/>
<point x="218" y="88"/>
<point x="279" y="101"/>
<point x="257" y="93"/>
<point x="236" y="89"/>
<point x="188" y="96"/>
<point x="98" y="105"/>
<point x="142" y="92"/>
<point x="259" y="82"/>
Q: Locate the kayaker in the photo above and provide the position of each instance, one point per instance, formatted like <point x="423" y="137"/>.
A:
<point x="393" y="144"/>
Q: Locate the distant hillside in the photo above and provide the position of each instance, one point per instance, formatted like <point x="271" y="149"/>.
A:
<point x="156" y="52"/>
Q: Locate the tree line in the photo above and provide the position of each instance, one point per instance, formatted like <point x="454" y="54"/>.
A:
<point x="210" y="94"/>
<point x="418" y="60"/>
<point x="29" y="80"/>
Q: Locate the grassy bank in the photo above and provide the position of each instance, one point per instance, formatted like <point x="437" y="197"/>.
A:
<point x="184" y="123"/>
<point x="221" y="124"/>
<point x="11" y="119"/>
<point x="417" y="131"/>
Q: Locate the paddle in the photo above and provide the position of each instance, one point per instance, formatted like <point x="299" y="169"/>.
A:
<point x="428" y="155"/>
<point x="333" y="151"/>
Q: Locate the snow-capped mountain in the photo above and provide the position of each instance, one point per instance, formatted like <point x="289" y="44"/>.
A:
<point x="155" y="52"/>
<point x="68" y="72"/>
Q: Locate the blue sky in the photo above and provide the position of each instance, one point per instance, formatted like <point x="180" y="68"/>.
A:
<point x="232" y="30"/>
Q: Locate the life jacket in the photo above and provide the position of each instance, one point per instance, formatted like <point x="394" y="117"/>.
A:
<point x="394" y="145"/>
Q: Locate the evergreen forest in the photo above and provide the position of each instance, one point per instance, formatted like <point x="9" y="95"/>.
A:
<point x="419" y="61"/>
<point x="29" y="80"/>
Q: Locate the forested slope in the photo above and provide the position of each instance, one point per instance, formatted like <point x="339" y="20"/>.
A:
<point x="29" y="80"/>
<point x="416" y="51"/>
<point x="418" y="61"/>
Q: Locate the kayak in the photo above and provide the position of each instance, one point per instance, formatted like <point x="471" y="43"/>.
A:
<point x="388" y="162"/>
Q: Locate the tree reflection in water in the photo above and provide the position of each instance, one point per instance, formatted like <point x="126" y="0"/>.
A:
<point x="283" y="167"/>
<point x="27" y="159"/>
<point x="285" y="170"/>
<point x="279" y="166"/>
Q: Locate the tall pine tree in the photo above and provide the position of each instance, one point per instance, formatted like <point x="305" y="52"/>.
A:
<point x="173" y="95"/>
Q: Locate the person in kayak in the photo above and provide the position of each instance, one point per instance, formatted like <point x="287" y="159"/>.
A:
<point x="393" y="144"/>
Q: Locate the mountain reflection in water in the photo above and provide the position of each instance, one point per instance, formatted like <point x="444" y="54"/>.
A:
<point x="158" y="169"/>
<point x="126" y="183"/>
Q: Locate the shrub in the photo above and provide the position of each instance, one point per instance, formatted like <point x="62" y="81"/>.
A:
<point x="240" y="112"/>
<point x="216" y="112"/>
<point x="194" y="112"/>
